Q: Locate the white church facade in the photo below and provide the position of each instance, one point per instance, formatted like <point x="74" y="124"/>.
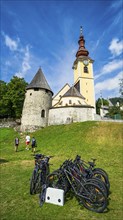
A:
<point x="71" y="104"/>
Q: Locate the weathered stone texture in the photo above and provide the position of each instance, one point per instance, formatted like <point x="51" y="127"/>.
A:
<point x="35" y="102"/>
<point x="65" y="115"/>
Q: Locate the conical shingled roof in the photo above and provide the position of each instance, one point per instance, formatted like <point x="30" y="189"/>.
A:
<point x="39" y="81"/>
<point x="73" y="92"/>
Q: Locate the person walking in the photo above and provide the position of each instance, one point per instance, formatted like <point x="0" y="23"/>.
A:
<point x="16" y="144"/>
<point x="34" y="144"/>
<point x="27" y="142"/>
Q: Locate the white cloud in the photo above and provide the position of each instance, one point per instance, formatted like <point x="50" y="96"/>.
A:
<point x="21" y="55"/>
<point x="108" y="84"/>
<point x="110" y="67"/>
<point x="61" y="72"/>
<point x="116" y="47"/>
<point x="116" y="4"/>
<point x="19" y="74"/>
<point x="12" y="44"/>
<point x="98" y="42"/>
<point x="25" y="64"/>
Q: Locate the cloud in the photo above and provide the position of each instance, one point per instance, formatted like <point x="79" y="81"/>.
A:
<point x="20" y="54"/>
<point x="25" y="65"/>
<point x="61" y="72"/>
<point x="10" y="43"/>
<point x="116" y="47"/>
<point x="116" y="5"/>
<point x="108" y="84"/>
<point x="19" y="74"/>
<point x="110" y="67"/>
<point x="97" y="43"/>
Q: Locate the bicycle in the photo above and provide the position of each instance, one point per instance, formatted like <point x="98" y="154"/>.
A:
<point x="89" y="193"/>
<point x="88" y="169"/>
<point x="41" y="170"/>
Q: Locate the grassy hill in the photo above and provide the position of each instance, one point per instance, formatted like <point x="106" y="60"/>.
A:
<point x="100" y="140"/>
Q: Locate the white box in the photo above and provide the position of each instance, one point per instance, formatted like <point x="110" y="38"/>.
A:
<point x="55" y="196"/>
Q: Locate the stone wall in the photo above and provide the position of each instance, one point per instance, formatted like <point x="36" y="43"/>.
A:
<point x="66" y="115"/>
<point x="36" y="102"/>
<point x="9" y="122"/>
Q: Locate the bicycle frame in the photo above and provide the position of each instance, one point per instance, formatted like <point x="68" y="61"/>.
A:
<point x="79" y="183"/>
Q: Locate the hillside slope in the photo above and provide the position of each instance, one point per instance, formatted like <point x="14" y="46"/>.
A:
<point x="100" y="140"/>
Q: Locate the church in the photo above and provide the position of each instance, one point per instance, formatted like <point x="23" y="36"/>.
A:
<point x="71" y="104"/>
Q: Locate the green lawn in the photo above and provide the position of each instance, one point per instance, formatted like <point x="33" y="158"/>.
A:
<point x="100" y="140"/>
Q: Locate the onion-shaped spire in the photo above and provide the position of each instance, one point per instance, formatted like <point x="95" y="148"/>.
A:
<point x="82" y="50"/>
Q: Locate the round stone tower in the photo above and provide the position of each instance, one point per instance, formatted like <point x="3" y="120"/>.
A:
<point x="38" y="101"/>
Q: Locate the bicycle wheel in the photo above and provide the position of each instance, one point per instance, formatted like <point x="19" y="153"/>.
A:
<point x="93" y="198"/>
<point x="32" y="182"/>
<point x="101" y="170"/>
<point x="100" y="183"/>
<point x="98" y="173"/>
<point x="42" y="195"/>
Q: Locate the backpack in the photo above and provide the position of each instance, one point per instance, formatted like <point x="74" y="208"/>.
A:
<point x="33" y="141"/>
<point x="16" y="140"/>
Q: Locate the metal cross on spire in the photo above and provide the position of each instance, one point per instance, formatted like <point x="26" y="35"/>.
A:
<point x="80" y="30"/>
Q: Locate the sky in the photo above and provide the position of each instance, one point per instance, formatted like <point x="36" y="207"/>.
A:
<point x="37" y="33"/>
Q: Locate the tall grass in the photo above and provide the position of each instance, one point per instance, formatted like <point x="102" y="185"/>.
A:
<point x="100" y="140"/>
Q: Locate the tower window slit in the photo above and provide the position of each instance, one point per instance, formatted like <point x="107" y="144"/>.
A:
<point x="43" y="113"/>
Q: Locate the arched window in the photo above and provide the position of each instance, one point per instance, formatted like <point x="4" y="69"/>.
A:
<point x="85" y="69"/>
<point x="43" y="113"/>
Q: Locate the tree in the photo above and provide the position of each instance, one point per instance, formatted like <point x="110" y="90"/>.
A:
<point x="16" y="94"/>
<point x="115" y="111"/>
<point x="4" y="108"/>
<point x="13" y="97"/>
<point x="101" y="102"/>
<point x="121" y="87"/>
<point x="116" y="101"/>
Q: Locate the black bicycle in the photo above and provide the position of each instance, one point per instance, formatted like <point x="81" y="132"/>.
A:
<point x="41" y="170"/>
<point x="87" y="169"/>
<point x="88" y="192"/>
<point x="91" y="192"/>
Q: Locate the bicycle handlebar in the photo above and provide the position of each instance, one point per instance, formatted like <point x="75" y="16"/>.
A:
<point x="42" y="156"/>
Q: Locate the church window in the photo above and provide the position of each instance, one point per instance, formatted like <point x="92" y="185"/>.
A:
<point x="79" y="102"/>
<point x="70" y="102"/>
<point x="30" y="93"/>
<point x="85" y="69"/>
<point x="43" y="113"/>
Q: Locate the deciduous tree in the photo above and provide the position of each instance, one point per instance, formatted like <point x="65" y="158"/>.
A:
<point x="12" y="97"/>
<point x="101" y="102"/>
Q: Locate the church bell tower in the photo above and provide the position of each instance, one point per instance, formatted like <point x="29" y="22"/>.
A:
<point x="83" y="72"/>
